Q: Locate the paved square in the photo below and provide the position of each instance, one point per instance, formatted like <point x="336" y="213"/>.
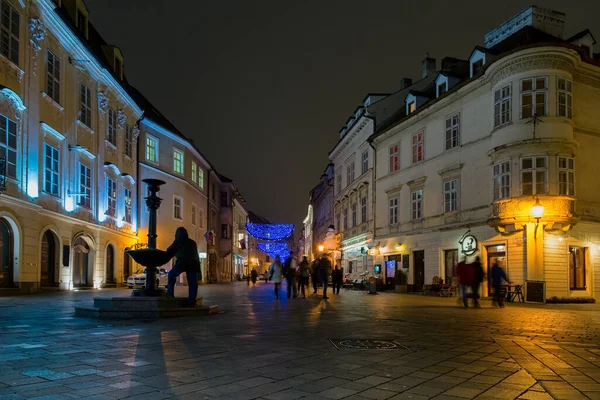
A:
<point x="260" y="348"/>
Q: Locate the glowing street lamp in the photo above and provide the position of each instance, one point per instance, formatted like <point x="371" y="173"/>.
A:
<point x="321" y="248"/>
<point x="538" y="212"/>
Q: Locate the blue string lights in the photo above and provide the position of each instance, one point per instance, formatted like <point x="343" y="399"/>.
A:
<point x="272" y="232"/>
<point x="268" y="247"/>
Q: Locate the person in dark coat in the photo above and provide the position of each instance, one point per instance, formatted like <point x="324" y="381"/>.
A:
<point x="465" y="280"/>
<point x="303" y="275"/>
<point x="498" y="275"/>
<point x="188" y="261"/>
<point x="324" y="271"/>
<point x="336" y="279"/>
<point x="314" y="277"/>
<point x="253" y="276"/>
<point x="477" y="271"/>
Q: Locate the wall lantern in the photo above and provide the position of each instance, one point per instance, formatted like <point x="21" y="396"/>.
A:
<point x="321" y="248"/>
<point x="398" y="246"/>
<point x="538" y="212"/>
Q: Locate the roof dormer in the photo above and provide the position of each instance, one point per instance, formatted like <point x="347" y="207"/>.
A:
<point x="115" y="59"/>
<point x="414" y="99"/>
<point x="477" y="60"/>
<point x="359" y="112"/>
<point x="585" y="40"/>
<point x="350" y="121"/>
<point x="343" y="132"/>
<point x="441" y="85"/>
<point x="82" y="18"/>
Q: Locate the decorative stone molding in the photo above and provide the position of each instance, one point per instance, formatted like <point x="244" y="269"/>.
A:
<point x="110" y="148"/>
<point x="102" y="100"/>
<point x="542" y="61"/>
<point x="136" y="133"/>
<point x="417" y="183"/>
<point x="37" y="33"/>
<point x="507" y="213"/>
<point x="450" y="171"/>
<point x="121" y="118"/>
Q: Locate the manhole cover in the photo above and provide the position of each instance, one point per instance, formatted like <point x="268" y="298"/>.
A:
<point x="366" y="344"/>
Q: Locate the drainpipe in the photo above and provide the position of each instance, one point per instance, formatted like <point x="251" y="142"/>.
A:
<point x="374" y="182"/>
<point x="208" y="212"/>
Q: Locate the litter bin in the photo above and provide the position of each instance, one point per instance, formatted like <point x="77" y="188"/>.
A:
<point x="372" y="285"/>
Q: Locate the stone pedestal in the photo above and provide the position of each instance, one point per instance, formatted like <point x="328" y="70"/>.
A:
<point x="143" y="308"/>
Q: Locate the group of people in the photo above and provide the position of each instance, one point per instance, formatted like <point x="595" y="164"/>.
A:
<point x="297" y="275"/>
<point x="470" y="276"/>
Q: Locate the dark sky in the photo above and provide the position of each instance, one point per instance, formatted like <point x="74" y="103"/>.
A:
<point x="264" y="86"/>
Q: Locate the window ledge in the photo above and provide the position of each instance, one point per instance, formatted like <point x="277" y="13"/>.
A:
<point x="52" y="195"/>
<point x="497" y="128"/>
<point x="84" y="126"/>
<point x="52" y="101"/>
<point x="108" y="143"/>
<point x="13" y="66"/>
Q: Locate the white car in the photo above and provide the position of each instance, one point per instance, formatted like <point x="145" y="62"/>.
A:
<point x="139" y="280"/>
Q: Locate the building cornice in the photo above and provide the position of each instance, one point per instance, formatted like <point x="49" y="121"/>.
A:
<point x="349" y="137"/>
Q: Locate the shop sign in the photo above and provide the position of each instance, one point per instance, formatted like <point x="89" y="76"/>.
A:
<point x="468" y="244"/>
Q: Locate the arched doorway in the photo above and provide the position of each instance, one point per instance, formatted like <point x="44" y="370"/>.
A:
<point x="83" y="272"/>
<point x="110" y="265"/>
<point x="7" y="272"/>
<point x="49" y="265"/>
<point x="127" y="263"/>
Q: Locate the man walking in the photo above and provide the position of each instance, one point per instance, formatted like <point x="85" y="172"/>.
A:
<point x="324" y="271"/>
<point x="336" y="279"/>
<point x="498" y="275"/>
<point x="289" y="268"/>
<point x="303" y="275"/>
<point x="463" y="272"/>
<point x="314" y="267"/>
<point x="188" y="261"/>
<point x="477" y="279"/>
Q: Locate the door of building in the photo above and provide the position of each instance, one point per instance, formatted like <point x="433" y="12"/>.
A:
<point x="49" y="261"/>
<point x="495" y="254"/>
<point x="450" y="261"/>
<point x="419" y="269"/>
<point x="7" y="278"/>
<point x="126" y="265"/>
<point x="81" y="268"/>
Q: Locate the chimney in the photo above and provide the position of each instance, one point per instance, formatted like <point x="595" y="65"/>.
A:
<point x="427" y="66"/>
<point x="405" y="82"/>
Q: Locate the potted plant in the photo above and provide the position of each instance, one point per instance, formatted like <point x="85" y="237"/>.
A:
<point x="401" y="282"/>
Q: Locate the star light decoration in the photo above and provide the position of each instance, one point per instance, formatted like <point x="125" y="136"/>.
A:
<point x="271" y="232"/>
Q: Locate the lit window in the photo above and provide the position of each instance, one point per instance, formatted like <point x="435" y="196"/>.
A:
<point x="502" y="105"/>
<point x="394" y="152"/>
<point x="111" y="194"/>
<point x="501" y="180"/>
<point x="128" y="205"/>
<point x="52" y="76"/>
<point x="178" y="161"/>
<point x="417" y="147"/>
<point x="51" y="169"/>
<point x="354" y="216"/>
<point x="412" y="106"/>
<point x="533" y="175"/>
<point x="566" y="176"/>
<point x="201" y="178"/>
<point x="365" y="161"/>
<point x="533" y="97"/>
<point x="111" y="132"/>
<point x="194" y="171"/>
<point x="451" y="195"/>
<point x="577" y="267"/>
<point x="565" y="98"/>
<point x="85" y="186"/>
<point x="9" y="32"/>
<point x="393" y="210"/>
<point x="128" y="141"/>
<point x="85" y="105"/>
<point x="363" y="209"/>
<point x="151" y="149"/>
<point x="453" y="132"/>
<point x="193" y="214"/>
<point x="177" y="207"/>
<point x="417" y="204"/>
<point x="8" y="145"/>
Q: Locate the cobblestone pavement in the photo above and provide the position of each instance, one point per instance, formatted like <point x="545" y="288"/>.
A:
<point x="260" y="348"/>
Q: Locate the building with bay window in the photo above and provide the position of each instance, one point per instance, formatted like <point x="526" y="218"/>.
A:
<point x="476" y="145"/>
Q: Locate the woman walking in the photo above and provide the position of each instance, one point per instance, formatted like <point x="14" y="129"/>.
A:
<point x="276" y="275"/>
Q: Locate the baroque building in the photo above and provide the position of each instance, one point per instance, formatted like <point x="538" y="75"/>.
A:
<point x="476" y="148"/>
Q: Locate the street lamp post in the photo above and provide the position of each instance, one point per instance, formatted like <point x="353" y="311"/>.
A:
<point x="538" y="212"/>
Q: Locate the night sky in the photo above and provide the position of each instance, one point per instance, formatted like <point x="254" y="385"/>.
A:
<point x="263" y="87"/>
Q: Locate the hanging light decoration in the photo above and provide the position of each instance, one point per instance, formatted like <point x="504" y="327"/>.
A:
<point x="268" y="247"/>
<point x="270" y="231"/>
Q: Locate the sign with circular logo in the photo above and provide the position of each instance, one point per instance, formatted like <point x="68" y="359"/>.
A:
<point x="468" y="245"/>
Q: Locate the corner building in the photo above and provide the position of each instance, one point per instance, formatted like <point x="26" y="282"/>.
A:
<point x="469" y="155"/>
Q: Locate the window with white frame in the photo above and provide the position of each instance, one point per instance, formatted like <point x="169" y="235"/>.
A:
<point x="178" y="161"/>
<point x="9" y="32"/>
<point x="111" y="195"/>
<point x="338" y="180"/>
<point x="564" y="98"/>
<point x="350" y="173"/>
<point x="85" y="186"/>
<point x="201" y="218"/>
<point x="128" y="141"/>
<point x="566" y="176"/>
<point x="177" y="206"/>
<point x="501" y="172"/>
<point x="451" y="188"/>
<point x="201" y="178"/>
<point x="502" y="106"/>
<point x="534" y="92"/>
<point x="193" y="214"/>
<point x="393" y="210"/>
<point x="85" y="105"/>
<point x="194" y="171"/>
<point x="151" y="149"/>
<point x="365" y="161"/>
<point x="363" y="209"/>
<point x="417" y="204"/>
<point x="8" y="145"/>
<point x="394" y="155"/>
<point x="128" y="205"/>
<point x="345" y="218"/>
<point x="51" y="169"/>
<point x="111" y="130"/>
<point x="354" y="216"/>
<point x="52" y="76"/>
<point x="417" y="147"/>
<point x="534" y="175"/>
<point x="453" y="132"/>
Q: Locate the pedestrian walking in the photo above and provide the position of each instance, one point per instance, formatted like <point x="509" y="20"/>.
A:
<point x="253" y="276"/>
<point x="477" y="271"/>
<point x="315" y="275"/>
<point x="188" y="261"/>
<point x="324" y="271"/>
<point x="498" y="275"/>
<point x="303" y="275"/>
<point x="276" y="274"/>
<point x="290" y="269"/>
<point x="464" y="275"/>
<point x="336" y="279"/>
